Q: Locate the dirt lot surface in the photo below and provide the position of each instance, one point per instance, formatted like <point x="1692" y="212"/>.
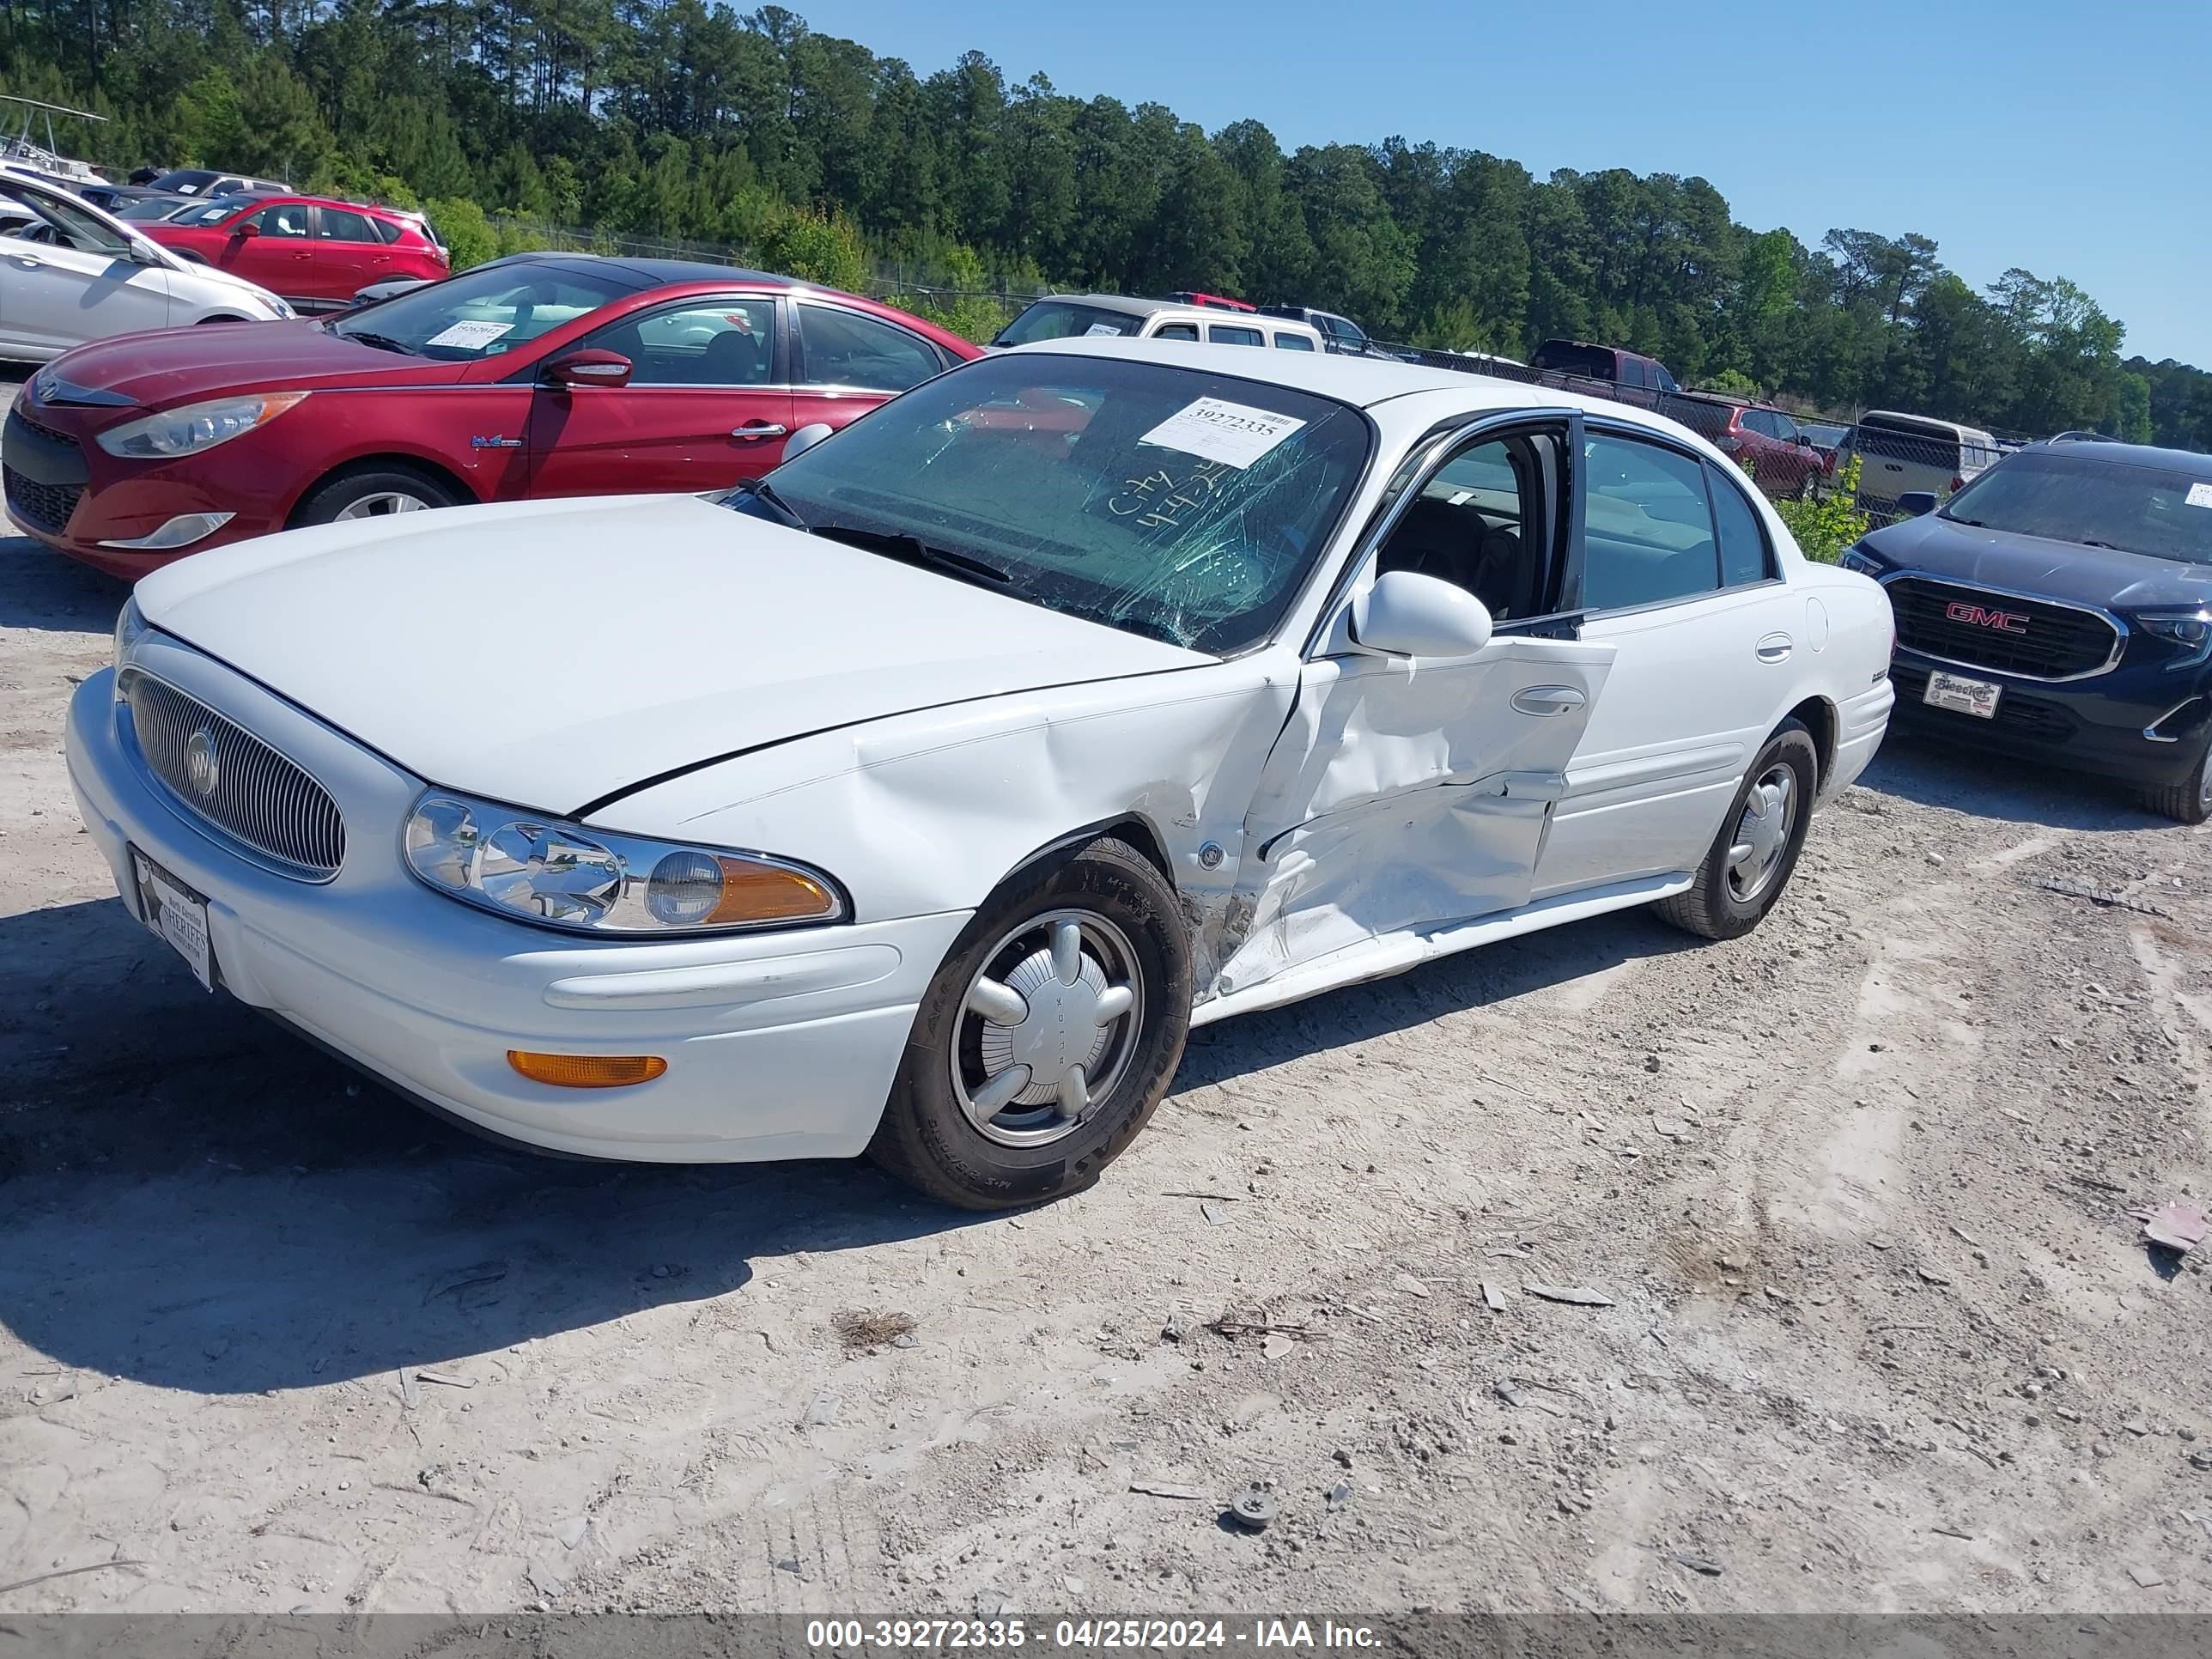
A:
<point x="1877" y="1331"/>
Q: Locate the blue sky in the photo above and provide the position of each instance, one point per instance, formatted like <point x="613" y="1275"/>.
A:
<point x="2071" y="138"/>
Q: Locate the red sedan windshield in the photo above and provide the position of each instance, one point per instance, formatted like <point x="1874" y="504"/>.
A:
<point x="484" y="312"/>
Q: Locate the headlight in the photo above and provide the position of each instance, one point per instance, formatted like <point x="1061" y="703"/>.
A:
<point x="2190" y="630"/>
<point x="284" y="312"/>
<point x="1856" y="557"/>
<point x="129" y="625"/>
<point x="537" y="868"/>
<point x="195" y="427"/>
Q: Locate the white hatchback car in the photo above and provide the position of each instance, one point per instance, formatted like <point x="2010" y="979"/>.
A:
<point x="72" y="272"/>
<point x="920" y="800"/>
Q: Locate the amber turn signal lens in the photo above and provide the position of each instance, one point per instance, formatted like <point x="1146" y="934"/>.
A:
<point x="586" y="1071"/>
<point x="768" y="892"/>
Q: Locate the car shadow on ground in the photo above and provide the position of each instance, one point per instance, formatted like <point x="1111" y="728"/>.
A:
<point x="40" y="589"/>
<point x="1481" y="978"/>
<point x="191" y="1197"/>
<point x="1934" y="773"/>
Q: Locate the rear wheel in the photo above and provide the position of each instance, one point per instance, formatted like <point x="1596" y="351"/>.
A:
<point x="1752" y="858"/>
<point x="374" y="492"/>
<point x="1047" y="1038"/>
<point x="2189" y="801"/>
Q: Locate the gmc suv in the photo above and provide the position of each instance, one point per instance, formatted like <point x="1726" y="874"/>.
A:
<point x="2059" y="607"/>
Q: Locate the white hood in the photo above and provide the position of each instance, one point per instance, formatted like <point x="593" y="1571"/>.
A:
<point x="553" y="654"/>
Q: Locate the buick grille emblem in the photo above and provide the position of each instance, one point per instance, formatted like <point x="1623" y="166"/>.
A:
<point x="202" y="771"/>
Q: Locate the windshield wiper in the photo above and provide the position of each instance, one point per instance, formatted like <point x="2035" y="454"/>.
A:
<point x="912" y="549"/>
<point x="761" y="490"/>
<point x="381" y="342"/>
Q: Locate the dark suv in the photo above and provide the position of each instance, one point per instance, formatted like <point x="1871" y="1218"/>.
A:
<point x="2059" y="607"/>
<point x="1338" y="334"/>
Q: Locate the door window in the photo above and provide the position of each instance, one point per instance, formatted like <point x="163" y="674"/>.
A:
<point x="1480" y="522"/>
<point x="714" y="342"/>
<point x="1293" y="342"/>
<point x="844" y="348"/>
<point x="37" y="217"/>
<point x="288" y="219"/>
<point x="344" y="225"/>
<point x="1219" y="335"/>
<point x="1745" y="556"/>
<point x="1648" y="524"/>
<point x="1176" y="332"/>
<point x="1631" y="371"/>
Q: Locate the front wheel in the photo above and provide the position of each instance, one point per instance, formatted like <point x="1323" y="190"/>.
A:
<point x="1751" y="858"/>
<point x="2189" y="801"/>
<point x="374" y="492"/>
<point x="1047" y="1038"/>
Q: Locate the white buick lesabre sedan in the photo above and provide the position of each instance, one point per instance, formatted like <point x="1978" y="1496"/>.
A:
<point x="920" y="800"/>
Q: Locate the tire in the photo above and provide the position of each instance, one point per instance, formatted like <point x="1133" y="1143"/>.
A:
<point x="376" y="491"/>
<point x="1808" y="488"/>
<point x="2189" y="801"/>
<point x="954" y="1126"/>
<point x="1722" y="902"/>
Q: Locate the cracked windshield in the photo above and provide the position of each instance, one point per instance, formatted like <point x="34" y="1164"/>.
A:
<point x="1172" y="503"/>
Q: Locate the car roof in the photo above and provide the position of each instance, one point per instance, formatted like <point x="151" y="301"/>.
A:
<point x="1364" y="382"/>
<point x="1929" y="421"/>
<point x="2178" y="460"/>
<point x="1121" y="303"/>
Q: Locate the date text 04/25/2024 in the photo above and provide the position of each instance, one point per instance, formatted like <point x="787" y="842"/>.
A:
<point x="1122" y="1634"/>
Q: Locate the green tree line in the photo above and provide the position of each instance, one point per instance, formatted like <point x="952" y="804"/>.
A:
<point x="688" y="120"/>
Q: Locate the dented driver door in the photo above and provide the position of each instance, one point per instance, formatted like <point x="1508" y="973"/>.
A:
<point x="1406" y="794"/>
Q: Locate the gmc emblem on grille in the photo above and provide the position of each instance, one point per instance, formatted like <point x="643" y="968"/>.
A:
<point x="202" y="770"/>
<point x="2005" y="622"/>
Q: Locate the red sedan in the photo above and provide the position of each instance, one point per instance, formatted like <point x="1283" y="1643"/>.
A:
<point x="549" y="375"/>
<point x="313" y="252"/>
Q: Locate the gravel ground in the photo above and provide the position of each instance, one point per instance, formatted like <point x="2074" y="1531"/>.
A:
<point x="1878" y="1335"/>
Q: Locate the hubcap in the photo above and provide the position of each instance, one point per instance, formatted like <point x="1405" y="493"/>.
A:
<point x="381" y="503"/>
<point x="1048" y="1027"/>
<point x="1762" y="834"/>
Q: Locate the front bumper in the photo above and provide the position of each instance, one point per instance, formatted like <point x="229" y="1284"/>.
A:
<point x="778" y="1045"/>
<point x="63" y="489"/>
<point x="2101" y="726"/>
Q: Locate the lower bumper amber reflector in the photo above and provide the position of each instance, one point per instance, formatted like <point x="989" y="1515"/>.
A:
<point x="586" y="1071"/>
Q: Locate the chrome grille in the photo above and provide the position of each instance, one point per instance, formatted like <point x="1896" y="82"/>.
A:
<point x="217" y="770"/>
<point x="2040" y="640"/>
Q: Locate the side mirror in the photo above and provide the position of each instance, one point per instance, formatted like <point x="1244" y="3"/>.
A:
<point x="1916" y="503"/>
<point x="1406" y="614"/>
<point x="806" y="438"/>
<point x="249" y="229"/>
<point x="588" y="366"/>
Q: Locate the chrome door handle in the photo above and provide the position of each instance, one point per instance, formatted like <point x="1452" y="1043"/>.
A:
<point x="26" y="262"/>
<point x="1775" y="647"/>
<point x="760" y="430"/>
<point x="1546" y="700"/>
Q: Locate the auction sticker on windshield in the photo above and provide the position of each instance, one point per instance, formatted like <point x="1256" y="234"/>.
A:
<point x="1217" y="430"/>
<point x="2200" y="494"/>
<point x="473" y="333"/>
<point x="178" y="915"/>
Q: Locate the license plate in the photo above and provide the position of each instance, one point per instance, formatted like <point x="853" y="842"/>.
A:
<point x="1962" y="695"/>
<point x="176" y="913"/>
